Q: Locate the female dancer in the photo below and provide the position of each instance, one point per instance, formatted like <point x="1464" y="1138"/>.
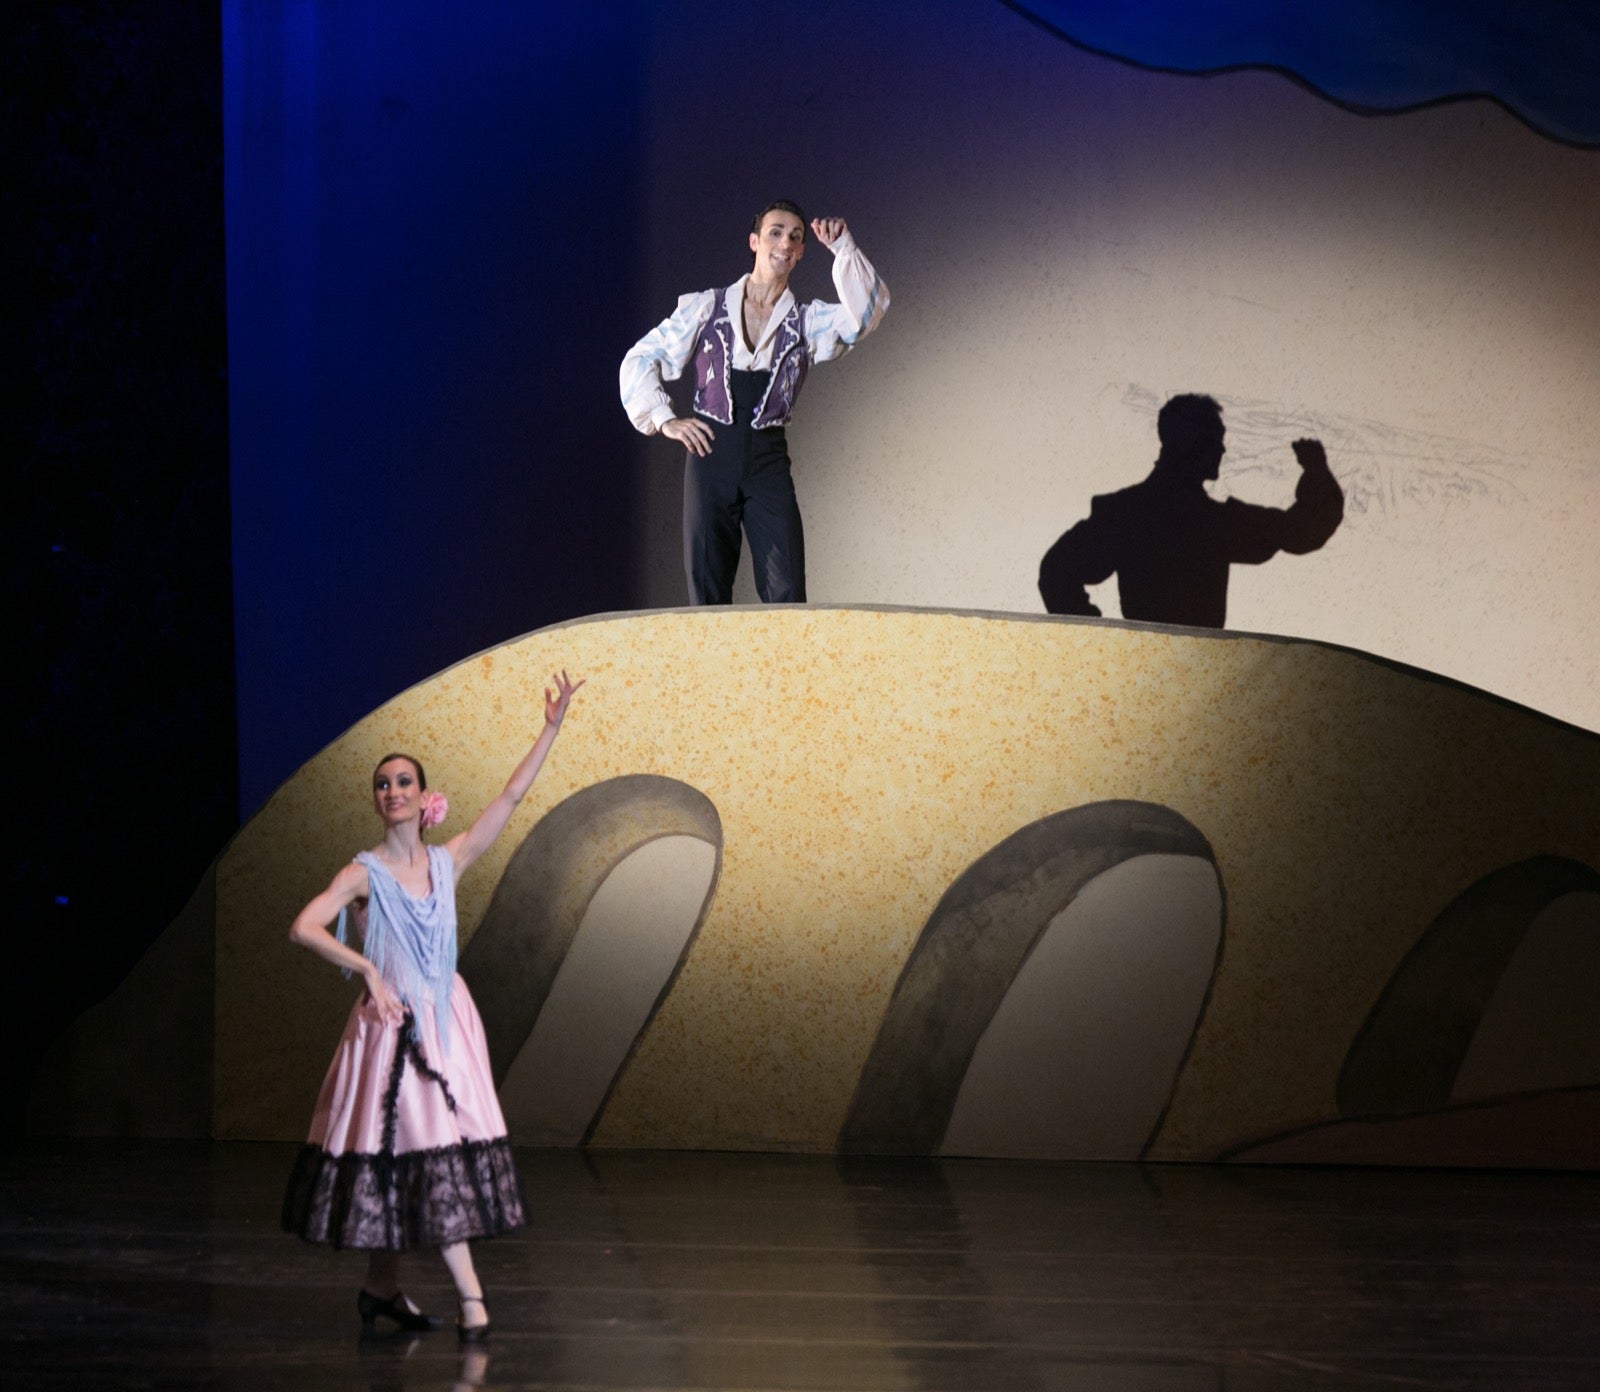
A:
<point x="408" y="1147"/>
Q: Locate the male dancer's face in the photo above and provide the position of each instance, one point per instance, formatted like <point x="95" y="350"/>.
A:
<point x="779" y="245"/>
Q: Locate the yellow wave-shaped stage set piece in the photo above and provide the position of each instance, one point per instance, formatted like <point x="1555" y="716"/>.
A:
<point x="928" y="882"/>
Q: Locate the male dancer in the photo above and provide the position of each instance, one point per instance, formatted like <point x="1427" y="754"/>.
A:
<point x="752" y="345"/>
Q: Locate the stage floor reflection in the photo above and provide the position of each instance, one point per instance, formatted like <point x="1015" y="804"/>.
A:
<point x="161" y="1265"/>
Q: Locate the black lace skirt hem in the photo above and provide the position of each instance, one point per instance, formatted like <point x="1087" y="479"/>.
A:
<point x="422" y="1198"/>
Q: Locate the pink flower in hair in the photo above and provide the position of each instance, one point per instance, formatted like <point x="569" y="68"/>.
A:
<point x="435" y="808"/>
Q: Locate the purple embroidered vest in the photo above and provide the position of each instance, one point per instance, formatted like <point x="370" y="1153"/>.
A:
<point x="713" y="361"/>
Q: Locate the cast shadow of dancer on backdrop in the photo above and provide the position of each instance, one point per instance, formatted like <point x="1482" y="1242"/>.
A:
<point x="1170" y="543"/>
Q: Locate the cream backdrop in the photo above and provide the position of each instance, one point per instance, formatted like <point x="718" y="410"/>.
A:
<point x="1069" y="240"/>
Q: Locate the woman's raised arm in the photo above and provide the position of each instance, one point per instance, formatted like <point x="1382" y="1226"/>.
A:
<point x="476" y="839"/>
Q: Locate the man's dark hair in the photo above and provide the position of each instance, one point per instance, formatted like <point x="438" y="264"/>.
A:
<point x="781" y="205"/>
<point x="1186" y="421"/>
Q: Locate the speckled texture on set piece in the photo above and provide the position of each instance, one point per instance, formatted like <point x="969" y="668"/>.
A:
<point x="859" y="760"/>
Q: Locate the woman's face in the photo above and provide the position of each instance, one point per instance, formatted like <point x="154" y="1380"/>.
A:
<point x="396" y="791"/>
<point x="779" y="244"/>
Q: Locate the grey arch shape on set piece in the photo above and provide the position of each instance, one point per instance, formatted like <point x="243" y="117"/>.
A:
<point x="970" y="951"/>
<point x="1409" y="1051"/>
<point x="537" y="907"/>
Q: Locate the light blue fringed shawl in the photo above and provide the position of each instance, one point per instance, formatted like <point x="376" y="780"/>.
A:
<point x="412" y="942"/>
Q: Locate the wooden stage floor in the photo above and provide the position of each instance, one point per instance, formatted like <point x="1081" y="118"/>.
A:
<point x="129" y="1265"/>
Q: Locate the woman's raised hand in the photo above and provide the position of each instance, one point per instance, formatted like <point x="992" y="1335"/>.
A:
<point x="555" y="704"/>
<point x="477" y="838"/>
<point x="828" y="230"/>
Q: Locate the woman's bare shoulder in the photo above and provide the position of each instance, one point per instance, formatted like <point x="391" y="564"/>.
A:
<point x="351" y="881"/>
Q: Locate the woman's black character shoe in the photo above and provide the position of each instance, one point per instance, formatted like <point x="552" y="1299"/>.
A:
<point x="473" y="1333"/>
<point x="395" y="1308"/>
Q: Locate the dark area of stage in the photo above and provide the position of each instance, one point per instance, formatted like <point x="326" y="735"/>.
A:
<point x="161" y="1265"/>
<point x="118" y="570"/>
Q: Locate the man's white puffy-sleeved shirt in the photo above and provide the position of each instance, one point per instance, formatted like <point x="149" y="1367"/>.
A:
<point x="831" y="330"/>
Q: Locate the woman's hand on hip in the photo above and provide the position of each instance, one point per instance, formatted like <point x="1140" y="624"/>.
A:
<point x="388" y="1005"/>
